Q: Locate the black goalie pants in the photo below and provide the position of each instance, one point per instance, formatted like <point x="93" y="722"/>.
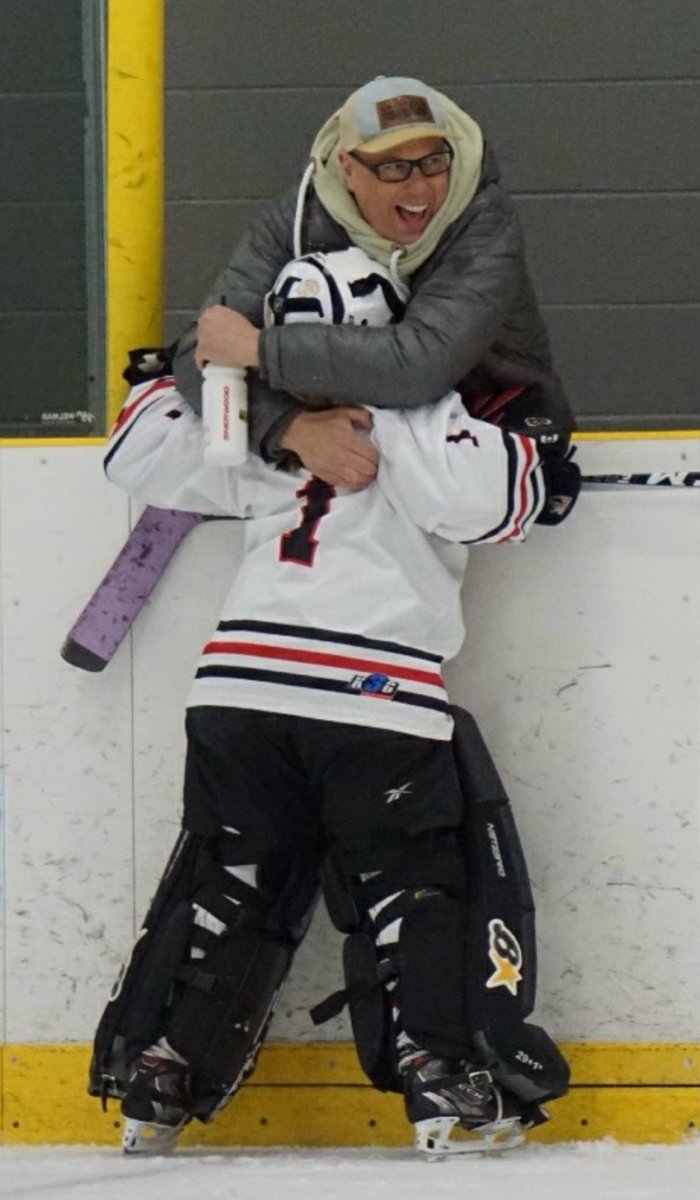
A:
<point x="292" y="783"/>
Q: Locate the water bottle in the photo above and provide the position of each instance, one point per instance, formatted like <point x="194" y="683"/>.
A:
<point x="224" y="416"/>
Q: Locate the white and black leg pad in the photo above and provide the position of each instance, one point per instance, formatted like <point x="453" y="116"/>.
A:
<point x="424" y="972"/>
<point x="465" y="964"/>
<point x="213" y="1009"/>
<point x="502" y="972"/>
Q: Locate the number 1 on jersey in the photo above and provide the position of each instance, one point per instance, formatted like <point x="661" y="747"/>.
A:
<point x="299" y="545"/>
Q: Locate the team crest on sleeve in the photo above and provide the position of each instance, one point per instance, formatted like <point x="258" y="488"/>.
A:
<point x="506" y="956"/>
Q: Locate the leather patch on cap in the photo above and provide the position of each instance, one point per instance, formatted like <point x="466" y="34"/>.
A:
<point x="403" y="110"/>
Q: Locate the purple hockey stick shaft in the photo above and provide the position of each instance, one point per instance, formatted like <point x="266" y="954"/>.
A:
<point x="119" y="598"/>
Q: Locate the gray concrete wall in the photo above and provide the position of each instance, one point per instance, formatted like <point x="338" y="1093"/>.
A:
<point x="43" y="355"/>
<point x="593" y="113"/>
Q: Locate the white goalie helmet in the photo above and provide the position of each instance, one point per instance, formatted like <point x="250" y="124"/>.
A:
<point x="343" y="287"/>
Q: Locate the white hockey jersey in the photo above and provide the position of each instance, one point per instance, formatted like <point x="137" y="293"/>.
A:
<point x="347" y="603"/>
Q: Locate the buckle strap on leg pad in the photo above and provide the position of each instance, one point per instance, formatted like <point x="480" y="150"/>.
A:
<point x="368" y="1002"/>
<point x="220" y="1018"/>
<point x="231" y="900"/>
<point x="430" y="859"/>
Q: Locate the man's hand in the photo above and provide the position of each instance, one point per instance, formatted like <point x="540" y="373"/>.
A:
<point x="331" y="445"/>
<point x="227" y="338"/>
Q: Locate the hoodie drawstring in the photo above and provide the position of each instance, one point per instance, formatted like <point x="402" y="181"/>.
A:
<point x="299" y="211"/>
<point x="401" y="287"/>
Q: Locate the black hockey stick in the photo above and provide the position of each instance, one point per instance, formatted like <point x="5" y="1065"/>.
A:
<point x="649" y="479"/>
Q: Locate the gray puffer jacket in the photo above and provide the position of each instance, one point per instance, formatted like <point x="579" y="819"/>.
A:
<point x="472" y="319"/>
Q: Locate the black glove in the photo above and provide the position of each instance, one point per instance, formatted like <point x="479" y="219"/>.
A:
<point x="538" y="411"/>
<point x="562" y="478"/>
<point x="149" y="362"/>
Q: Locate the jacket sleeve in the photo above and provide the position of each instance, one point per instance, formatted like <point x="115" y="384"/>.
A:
<point x="460" y="301"/>
<point x="462" y="479"/>
<point x="155" y="452"/>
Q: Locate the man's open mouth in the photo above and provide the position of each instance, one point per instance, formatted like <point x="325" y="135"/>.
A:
<point x="414" y="216"/>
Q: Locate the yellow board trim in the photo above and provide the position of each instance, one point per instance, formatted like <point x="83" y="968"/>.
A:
<point x="28" y="443"/>
<point x="608" y="436"/>
<point x="134" y="185"/>
<point x="314" y="1094"/>
<point x="635" y="435"/>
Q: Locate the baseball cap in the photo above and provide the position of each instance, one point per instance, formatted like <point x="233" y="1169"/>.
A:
<point x="390" y="110"/>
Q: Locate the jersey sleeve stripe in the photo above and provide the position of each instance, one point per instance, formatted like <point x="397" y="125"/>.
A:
<point x="496" y="533"/>
<point x="523" y="494"/>
<point x="522" y="499"/>
<point x="131" y="413"/>
<point x="131" y="407"/>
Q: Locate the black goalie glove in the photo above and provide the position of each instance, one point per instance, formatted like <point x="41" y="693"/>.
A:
<point x="538" y="412"/>
<point x="562" y="478"/>
<point x="149" y="362"/>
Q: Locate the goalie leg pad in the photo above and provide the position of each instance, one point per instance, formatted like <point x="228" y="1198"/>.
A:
<point x="374" y="894"/>
<point x="209" y="987"/>
<point x="421" y="978"/>
<point x="219" y="1021"/>
<point x="502" y="901"/>
<point x="462" y="959"/>
<point x="133" y="1013"/>
<point x="439" y="1005"/>
<point x="503" y="958"/>
<point x="220" y="1017"/>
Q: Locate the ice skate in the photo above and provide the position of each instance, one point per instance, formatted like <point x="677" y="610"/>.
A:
<point x="442" y="1098"/>
<point x="156" y="1105"/>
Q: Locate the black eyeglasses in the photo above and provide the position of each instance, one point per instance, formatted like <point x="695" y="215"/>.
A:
<point x="399" y="169"/>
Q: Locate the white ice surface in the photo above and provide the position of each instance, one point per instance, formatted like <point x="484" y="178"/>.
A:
<point x="594" y="1171"/>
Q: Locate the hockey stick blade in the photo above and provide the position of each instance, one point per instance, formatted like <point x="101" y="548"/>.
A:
<point x="119" y="598"/>
<point x="649" y="479"/>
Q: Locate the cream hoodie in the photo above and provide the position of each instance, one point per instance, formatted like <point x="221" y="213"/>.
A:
<point x="329" y="183"/>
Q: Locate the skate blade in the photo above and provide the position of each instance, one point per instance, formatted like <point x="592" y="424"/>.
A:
<point x="434" y="1140"/>
<point x="145" y="1137"/>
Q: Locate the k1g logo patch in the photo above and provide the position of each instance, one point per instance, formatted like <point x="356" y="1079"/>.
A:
<point x="506" y="956"/>
<point x="381" y="687"/>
